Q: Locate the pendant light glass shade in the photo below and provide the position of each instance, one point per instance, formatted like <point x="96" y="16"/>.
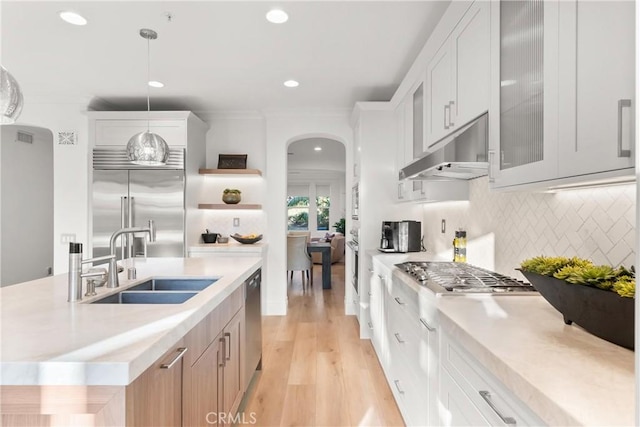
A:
<point x="147" y="148"/>
<point x="11" y="96"/>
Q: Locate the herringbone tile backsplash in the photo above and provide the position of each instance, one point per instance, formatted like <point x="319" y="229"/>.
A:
<point x="505" y="228"/>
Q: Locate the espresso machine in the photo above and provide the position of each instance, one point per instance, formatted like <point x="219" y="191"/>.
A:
<point x="401" y="236"/>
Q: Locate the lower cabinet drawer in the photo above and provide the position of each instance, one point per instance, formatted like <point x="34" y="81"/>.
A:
<point x="497" y="404"/>
<point x="411" y="392"/>
<point x="455" y="407"/>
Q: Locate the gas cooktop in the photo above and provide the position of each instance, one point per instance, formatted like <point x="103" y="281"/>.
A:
<point x="463" y="278"/>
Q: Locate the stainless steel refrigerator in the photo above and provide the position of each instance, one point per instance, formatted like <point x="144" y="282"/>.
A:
<point x="127" y="195"/>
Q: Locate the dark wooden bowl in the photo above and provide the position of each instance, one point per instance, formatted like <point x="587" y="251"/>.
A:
<point x="604" y="314"/>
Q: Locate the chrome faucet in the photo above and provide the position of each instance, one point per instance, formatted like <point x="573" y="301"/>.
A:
<point x="75" y="270"/>
<point x="112" y="278"/>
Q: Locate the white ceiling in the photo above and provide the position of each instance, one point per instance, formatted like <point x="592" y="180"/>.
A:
<point x="216" y="55"/>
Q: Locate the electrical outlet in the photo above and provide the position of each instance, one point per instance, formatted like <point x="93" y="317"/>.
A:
<point x="67" y="238"/>
<point x="236" y="222"/>
<point x="443" y="226"/>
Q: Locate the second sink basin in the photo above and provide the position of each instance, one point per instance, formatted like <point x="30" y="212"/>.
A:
<point x="173" y="285"/>
<point x="158" y="291"/>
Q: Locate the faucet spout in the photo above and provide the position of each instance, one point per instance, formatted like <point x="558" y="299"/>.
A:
<point x="112" y="279"/>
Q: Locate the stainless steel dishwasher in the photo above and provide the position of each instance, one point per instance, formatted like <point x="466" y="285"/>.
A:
<point x="253" y="316"/>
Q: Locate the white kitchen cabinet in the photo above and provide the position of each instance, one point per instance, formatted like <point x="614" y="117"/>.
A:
<point x="456" y="409"/>
<point x="379" y="277"/>
<point x="472" y="396"/>
<point x="598" y="86"/>
<point x="458" y="75"/>
<point x="412" y="352"/>
<point x="115" y="128"/>
<point x="562" y="79"/>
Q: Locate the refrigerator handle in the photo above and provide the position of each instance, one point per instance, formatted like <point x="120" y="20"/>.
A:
<point x="130" y="236"/>
<point x="123" y="219"/>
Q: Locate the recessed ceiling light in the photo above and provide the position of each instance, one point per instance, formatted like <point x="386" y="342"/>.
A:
<point x="154" y="83"/>
<point x="277" y="16"/>
<point x="291" y="83"/>
<point x="72" y="17"/>
<point x="318" y="148"/>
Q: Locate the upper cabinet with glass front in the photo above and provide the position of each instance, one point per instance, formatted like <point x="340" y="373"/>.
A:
<point x="562" y="79"/>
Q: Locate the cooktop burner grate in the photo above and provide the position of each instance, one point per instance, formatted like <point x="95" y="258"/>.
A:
<point x="465" y="278"/>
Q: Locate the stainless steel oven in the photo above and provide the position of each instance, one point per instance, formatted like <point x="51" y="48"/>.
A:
<point x="353" y="244"/>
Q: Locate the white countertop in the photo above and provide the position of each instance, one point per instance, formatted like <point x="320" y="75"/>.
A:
<point x="563" y="373"/>
<point x="48" y="341"/>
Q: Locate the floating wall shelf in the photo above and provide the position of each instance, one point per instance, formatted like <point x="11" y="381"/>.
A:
<point x="255" y="172"/>
<point x="222" y="206"/>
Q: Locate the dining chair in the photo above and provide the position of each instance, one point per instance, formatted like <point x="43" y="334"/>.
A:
<point x="298" y="258"/>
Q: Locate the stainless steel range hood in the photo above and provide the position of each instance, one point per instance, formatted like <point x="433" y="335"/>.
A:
<point x="462" y="155"/>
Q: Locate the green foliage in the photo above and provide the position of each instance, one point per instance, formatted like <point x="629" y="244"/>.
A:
<point x="340" y="225"/>
<point x="302" y="201"/>
<point x="625" y="286"/>
<point x="545" y="266"/>
<point x="299" y="219"/>
<point x="583" y="272"/>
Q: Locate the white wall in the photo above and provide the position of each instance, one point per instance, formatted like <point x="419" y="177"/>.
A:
<point x="505" y="228"/>
<point x="27" y="205"/>
<point x="70" y="172"/>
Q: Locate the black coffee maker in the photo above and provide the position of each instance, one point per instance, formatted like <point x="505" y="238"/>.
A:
<point x="401" y="236"/>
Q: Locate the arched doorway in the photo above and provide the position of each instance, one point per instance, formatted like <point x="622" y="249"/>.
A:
<point x="316" y="203"/>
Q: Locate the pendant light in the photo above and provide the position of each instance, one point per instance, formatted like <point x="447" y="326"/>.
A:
<point x="11" y="97"/>
<point x="147" y="148"/>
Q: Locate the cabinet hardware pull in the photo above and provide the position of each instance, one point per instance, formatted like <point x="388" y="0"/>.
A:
<point x="223" y="340"/>
<point x="446" y="107"/>
<point x="492" y="154"/>
<point x="400" y="195"/>
<point x="398" y="300"/>
<point x="181" y="351"/>
<point x="621" y="104"/>
<point x="451" y="104"/>
<point x="397" y="382"/>
<point x="399" y="338"/>
<point x="370" y="270"/>
<point x="370" y="325"/>
<point x="510" y="421"/>
<point x="228" y="334"/>
<point x="426" y="325"/>
<point x="369" y="293"/>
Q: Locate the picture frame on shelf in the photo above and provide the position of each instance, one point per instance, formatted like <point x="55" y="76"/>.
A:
<point x="232" y="161"/>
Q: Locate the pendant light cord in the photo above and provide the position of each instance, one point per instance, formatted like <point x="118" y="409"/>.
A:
<point x="148" y="79"/>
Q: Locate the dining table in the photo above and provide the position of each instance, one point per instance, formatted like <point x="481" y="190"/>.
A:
<point x="325" y="249"/>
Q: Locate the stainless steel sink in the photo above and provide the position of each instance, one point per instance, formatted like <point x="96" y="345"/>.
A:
<point x="147" y="297"/>
<point x="158" y="291"/>
<point x="173" y="285"/>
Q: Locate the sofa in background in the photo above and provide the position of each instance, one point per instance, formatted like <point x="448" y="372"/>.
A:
<point x="337" y="249"/>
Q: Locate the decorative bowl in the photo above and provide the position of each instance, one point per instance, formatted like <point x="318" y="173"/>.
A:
<point x="209" y="237"/>
<point x="604" y="314"/>
<point x="223" y="239"/>
<point x="244" y="240"/>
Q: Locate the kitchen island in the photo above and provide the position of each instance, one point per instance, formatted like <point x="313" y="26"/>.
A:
<point x="83" y="356"/>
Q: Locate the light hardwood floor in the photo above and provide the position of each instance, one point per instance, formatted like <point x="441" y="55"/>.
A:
<point x="316" y="371"/>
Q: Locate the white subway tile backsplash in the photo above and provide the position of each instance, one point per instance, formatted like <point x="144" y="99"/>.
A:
<point x="597" y="223"/>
